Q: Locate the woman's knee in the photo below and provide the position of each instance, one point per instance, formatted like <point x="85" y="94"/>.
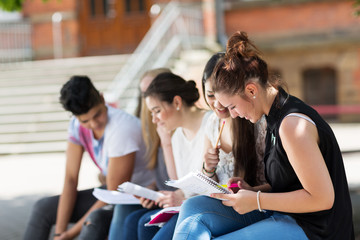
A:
<point x="198" y="204"/>
<point x="45" y="207"/>
<point x="47" y="203"/>
<point x="101" y="215"/>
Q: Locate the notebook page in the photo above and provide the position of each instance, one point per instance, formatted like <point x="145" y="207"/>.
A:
<point x="114" y="197"/>
<point x="140" y="191"/>
<point x="196" y="183"/>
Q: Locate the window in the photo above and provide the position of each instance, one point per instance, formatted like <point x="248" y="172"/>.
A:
<point x="320" y="87"/>
<point x="134" y="6"/>
<point x="99" y="8"/>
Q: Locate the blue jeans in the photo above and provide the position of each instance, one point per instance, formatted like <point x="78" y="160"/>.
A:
<point x="130" y="229"/>
<point x="117" y="222"/>
<point x="134" y="226"/>
<point x="44" y="212"/>
<point x="202" y="217"/>
<point x="278" y="226"/>
<point x="154" y="232"/>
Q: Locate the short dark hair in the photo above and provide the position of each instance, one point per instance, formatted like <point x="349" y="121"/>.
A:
<point x="78" y="95"/>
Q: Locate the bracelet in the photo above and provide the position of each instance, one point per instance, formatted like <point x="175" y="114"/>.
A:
<point x="206" y="174"/>
<point x="213" y="171"/>
<point x="258" y="201"/>
<point x="57" y="234"/>
<point x="211" y="175"/>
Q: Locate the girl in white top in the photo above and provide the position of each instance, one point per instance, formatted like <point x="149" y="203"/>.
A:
<point x="171" y="101"/>
<point x="239" y="137"/>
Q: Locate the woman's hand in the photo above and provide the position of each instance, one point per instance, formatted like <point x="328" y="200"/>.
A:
<point x="242" y="184"/>
<point x="170" y="199"/>
<point x="211" y="159"/>
<point x="147" y="203"/>
<point x="64" y="236"/>
<point x="164" y="135"/>
<point x="243" y="201"/>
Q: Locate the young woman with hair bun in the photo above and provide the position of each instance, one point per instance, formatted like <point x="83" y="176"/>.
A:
<point x="171" y="101"/>
<point x="309" y="196"/>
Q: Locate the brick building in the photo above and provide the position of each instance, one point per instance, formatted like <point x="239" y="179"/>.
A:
<point x="86" y="27"/>
<point x="313" y="44"/>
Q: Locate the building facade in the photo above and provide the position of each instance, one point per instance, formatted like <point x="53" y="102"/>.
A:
<point x="86" y="27"/>
<point x="314" y="45"/>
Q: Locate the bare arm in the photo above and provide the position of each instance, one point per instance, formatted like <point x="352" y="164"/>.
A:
<point x="67" y="200"/>
<point x="211" y="158"/>
<point x="119" y="170"/>
<point x="165" y="138"/>
<point x="300" y="141"/>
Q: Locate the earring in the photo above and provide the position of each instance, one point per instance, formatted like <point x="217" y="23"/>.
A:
<point x="177" y="108"/>
<point x="254" y="97"/>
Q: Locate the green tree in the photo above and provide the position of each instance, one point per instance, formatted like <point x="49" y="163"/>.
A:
<point x="11" y="5"/>
<point x="357" y="7"/>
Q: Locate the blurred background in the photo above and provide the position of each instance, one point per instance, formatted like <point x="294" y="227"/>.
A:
<point x="314" y="45"/>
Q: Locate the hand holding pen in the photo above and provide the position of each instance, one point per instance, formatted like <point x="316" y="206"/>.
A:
<point x="211" y="157"/>
<point x="237" y="183"/>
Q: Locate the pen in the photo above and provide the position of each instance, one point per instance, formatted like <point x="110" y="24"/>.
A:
<point x="221" y="129"/>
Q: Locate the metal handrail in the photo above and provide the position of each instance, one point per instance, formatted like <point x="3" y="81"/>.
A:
<point x="15" y="41"/>
<point x="179" y="26"/>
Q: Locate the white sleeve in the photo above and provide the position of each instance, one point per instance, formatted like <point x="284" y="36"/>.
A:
<point x="123" y="140"/>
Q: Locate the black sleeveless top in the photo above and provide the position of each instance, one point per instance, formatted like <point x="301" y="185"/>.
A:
<point x="335" y="223"/>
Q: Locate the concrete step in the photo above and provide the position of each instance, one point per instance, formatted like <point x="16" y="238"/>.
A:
<point x="34" y="117"/>
<point x="16" y="138"/>
<point x="30" y="108"/>
<point x="98" y="75"/>
<point x="31" y="117"/>
<point x="32" y="127"/>
<point x="45" y="89"/>
<point x="41" y="147"/>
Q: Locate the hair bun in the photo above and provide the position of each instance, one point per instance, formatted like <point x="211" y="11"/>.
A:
<point x="191" y="83"/>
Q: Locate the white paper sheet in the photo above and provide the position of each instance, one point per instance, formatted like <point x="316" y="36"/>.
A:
<point x="115" y="197"/>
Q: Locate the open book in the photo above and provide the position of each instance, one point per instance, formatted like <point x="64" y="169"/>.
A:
<point x="197" y="183"/>
<point x="162" y="216"/>
<point x="137" y="190"/>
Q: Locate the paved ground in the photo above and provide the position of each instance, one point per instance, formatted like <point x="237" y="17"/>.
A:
<point x="26" y="178"/>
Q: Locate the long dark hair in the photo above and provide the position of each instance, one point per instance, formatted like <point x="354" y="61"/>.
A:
<point x="243" y="137"/>
<point x="244" y="150"/>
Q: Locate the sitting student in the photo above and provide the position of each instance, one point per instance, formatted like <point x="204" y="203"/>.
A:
<point x="303" y="163"/>
<point x="155" y="155"/>
<point x="171" y="101"/>
<point x="114" y="141"/>
<point x="237" y="154"/>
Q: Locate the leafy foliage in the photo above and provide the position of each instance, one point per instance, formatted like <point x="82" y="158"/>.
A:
<point x="357" y="7"/>
<point x="11" y="5"/>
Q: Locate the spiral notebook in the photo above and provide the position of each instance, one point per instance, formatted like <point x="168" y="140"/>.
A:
<point x="198" y="183"/>
<point x="162" y="216"/>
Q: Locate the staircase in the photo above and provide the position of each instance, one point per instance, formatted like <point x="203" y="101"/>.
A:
<point x="33" y="121"/>
<point x="31" y="117"/>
